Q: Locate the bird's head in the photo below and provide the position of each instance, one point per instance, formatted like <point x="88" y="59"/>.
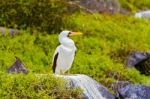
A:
<point x="68" y="34"/>
<point x="64" y="36"/>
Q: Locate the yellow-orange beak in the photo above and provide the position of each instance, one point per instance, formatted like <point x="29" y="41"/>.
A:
<point x="75" y="33"/>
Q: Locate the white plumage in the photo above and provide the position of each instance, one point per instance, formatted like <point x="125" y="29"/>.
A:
<point x="65" y="52"/>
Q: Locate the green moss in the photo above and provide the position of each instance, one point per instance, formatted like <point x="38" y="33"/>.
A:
<point x="106" y="43"/>
<point x="35" y="86"/>
<point x="45" y="15"/>
<point x="133" y="5"/>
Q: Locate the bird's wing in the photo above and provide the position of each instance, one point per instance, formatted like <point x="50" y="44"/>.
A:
<point x="55" y="57"/>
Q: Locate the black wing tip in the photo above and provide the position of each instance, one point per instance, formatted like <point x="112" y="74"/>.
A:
<point x="55" y="62"/>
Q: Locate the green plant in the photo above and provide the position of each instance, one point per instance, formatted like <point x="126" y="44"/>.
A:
<point x="106" y="43"/>
<point x="133" y="5"/>
<point x="45" y="15"/>
<point x="35" y="86"/>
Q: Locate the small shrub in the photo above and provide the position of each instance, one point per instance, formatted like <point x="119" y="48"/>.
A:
<point x="45" y="15"/>
<point x="133" y="5"/>
<point x="106" y="42"/>
<point x="35" y="86"/>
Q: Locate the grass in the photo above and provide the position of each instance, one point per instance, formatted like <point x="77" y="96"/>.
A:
<point x="134" y="5"/>
<point x="108" y="42"/>
<point x="102" y="50"/>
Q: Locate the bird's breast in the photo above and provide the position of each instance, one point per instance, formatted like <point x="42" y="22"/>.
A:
<point x="65" y="51"/>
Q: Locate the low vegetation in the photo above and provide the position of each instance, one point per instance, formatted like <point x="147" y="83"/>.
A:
<point x="133" y="5"/>
<point x="107" y="43"/>
<point x="40" y="15"/>
<point x="35" y="86"/>
<point x="103" y="49"/>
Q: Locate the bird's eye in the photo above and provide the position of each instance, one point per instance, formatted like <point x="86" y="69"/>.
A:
<point x="69" y="34"/>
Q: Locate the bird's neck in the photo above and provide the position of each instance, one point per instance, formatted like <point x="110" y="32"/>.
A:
<point x="67" y="42"/>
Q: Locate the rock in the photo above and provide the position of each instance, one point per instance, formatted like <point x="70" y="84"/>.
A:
<point x="96" y="6"/>
<point x="130" y="91"/>
<point x="91" y="88"/>
<point x="136" y="58"/>
<point x="118" y="85"/>
<point x="143" y="14"/>
<point x="141" y="61"/>
<point x="135" y="92"/>
<point x="2" y="30"/>
<point x="17" y="67"/>
<point x="11" y="31"/>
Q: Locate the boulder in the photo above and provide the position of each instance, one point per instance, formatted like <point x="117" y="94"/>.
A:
<point x="91" y="88"/>
<point x="17" y="67"/>
<point x="96" y="6"/>
<point x="117" y="86"/>
<point x="143" y="14"/>
<point x="130" y="91"/>
<point x="135" y="92"/>
<point x="11" y="31"/>
<point x="141" y="61"/>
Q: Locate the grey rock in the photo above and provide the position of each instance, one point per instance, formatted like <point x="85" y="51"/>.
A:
<point x="17" y="67"/>
<point x="143" y="14"/>
<point x="118" y="85"/>
<point x="137" y="57"/>
<point x="125" y="90"/>
<point x="141" y="61"/>
<point x="2" y="30"/>
<point x="11" y="31"/>
<point x="91" y="88"/>
<point x="135" y="92"/>
<point x="96" y="6"/>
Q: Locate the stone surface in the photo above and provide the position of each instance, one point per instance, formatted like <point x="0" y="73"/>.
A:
<point x="125" y="90"/>
<point x="143" y="14"/>
<point x="11" y="31"/>
<point x="96" y="6"/>
<point x="91" y="88"/>
<point x="118" y="85"/>
<point x="17" y="67"/>
<point x="135" y="92"/>
<point x="141" y="61"/>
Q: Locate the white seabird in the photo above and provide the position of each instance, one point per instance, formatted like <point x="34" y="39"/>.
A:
<point x="64" y="53"/>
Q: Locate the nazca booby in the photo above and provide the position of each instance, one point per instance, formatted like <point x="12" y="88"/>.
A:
<point x="64" y="53"/>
